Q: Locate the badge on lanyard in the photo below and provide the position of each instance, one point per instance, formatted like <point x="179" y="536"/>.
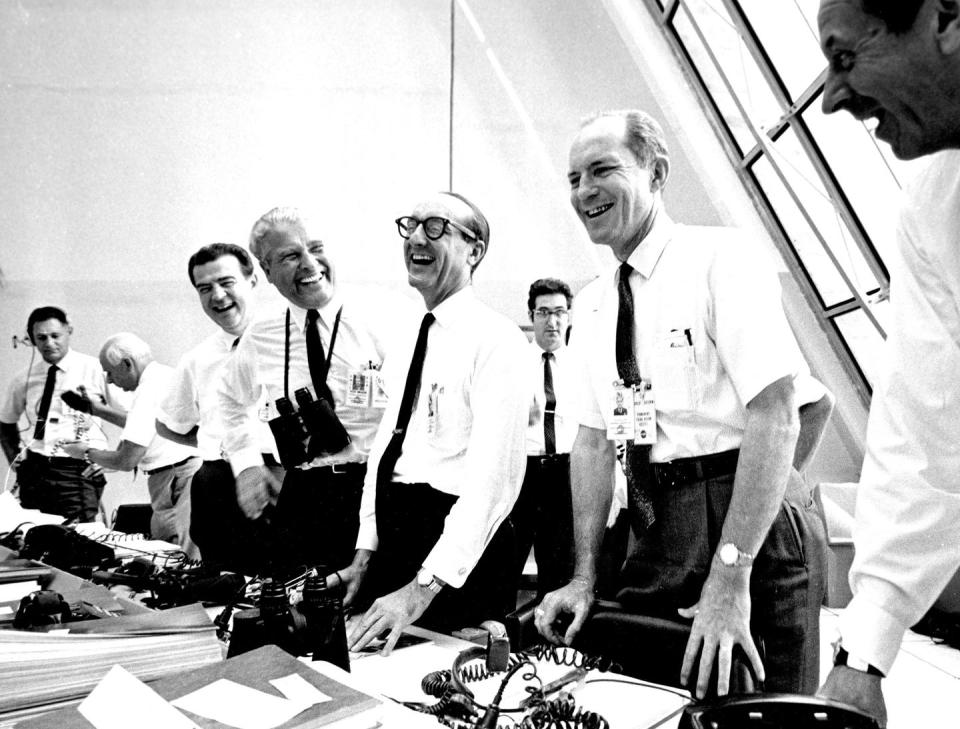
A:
<point x="359" y="387"/>
<point x="645" y="414"/>
<point x="621" y="419"/>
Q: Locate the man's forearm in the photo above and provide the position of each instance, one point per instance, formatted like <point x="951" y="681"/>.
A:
<point x="110" y="414"/>
<point x="592" y="461"/>
<point x="188" y="439"/>
<point x="10" y="440"/>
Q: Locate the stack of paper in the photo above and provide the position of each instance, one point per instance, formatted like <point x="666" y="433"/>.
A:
<point x="39" y="671"/>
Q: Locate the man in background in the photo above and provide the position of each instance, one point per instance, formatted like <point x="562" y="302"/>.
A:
<point x="542" y="516"/>
<point x="169" y="467"/>
<point x="898" y="61"/>
<point x="223" y="276"/>
<point x="49" y="478"/>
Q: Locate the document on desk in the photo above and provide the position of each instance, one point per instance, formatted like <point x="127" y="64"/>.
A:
<point x="120" y="696"/>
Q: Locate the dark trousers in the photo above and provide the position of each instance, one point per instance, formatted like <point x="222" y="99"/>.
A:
<point x="668" y="566"/>
<point x="220" y="529"/>
<point x="318" y="514"/>
<point x="57" y="486"/>
<point x="410" y="520"/>
<point x="543" y="518"/>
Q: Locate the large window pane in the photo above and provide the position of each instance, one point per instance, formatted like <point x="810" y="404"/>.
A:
<point x="789" y="38"/>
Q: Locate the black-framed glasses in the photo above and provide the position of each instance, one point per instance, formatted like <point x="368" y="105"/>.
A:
<point x="544" y="313"/>
<point x="433" y="227"/>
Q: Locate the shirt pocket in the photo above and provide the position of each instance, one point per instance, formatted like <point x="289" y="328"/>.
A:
<point x="676" y="377"/>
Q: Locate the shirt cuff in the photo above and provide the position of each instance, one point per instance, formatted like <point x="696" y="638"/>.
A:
<point x="871" y="633"/>
<point x="367" y="537"/>
<point x="244" y="459"/>
<point x="440" y="563"/>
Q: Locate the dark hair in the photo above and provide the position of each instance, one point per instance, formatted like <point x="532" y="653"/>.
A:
<point x="212" y="252"/>
<point x="643" y="134"/>
<point x="44" y="313"/>
<point x="548" y="286"/>
<point x="898" y="15"/>
<point x="478" y="224"/>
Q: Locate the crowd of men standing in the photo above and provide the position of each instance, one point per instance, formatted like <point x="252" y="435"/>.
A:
<point x="425" y="470"/>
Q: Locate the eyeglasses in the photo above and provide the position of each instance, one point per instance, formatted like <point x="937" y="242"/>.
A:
<point x="434" y="227"/>
<point x="547" y="313"/>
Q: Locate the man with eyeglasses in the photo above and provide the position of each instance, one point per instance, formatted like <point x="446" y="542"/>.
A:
<point x="690" y="332"/>
<point x="542" y="517"/>
<point x="448" y="460"/>
<point x="321" y="341"/>
<point x="897" y="62"/>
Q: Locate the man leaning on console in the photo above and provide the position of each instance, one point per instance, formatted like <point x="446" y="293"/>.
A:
<point x="438" y="453"/>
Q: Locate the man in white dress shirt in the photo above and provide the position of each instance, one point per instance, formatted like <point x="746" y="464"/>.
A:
<point x="898" y="61"/>
<point x="169" y="466"/>
<point x="448" y="460"/>
<point x="321" y="342"/>
<point x="223" y="276"/>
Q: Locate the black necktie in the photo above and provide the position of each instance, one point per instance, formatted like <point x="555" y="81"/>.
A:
<point x="45" y="399"/>
<point x="316" y="358"/>
<point x="235" y="343"/>
<point x="392" y="452"/>
<point x="549" y="430"/>
<point x="637" y="460"/>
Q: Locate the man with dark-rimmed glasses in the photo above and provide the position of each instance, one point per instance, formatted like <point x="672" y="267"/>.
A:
<point x="448" y="459"/>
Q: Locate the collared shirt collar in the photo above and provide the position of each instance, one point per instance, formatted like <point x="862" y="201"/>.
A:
<point x="558" y="353"/>
<point x="63" y="365"/>
<point x="645" y="256"/>
<point x="455" y="305"/>
<point x="225" y="339"/>
<point x="327" y="313"/>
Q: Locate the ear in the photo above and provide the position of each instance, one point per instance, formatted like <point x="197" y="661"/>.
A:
<point x="477" y="252"/>
<point x="530" y="314"/>
<point x="948" y="26"/>
<point x="70" y="329"/>
<point x="659" y="172"/>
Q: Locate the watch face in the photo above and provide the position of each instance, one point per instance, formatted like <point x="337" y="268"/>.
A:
<point x="729" y="553"/>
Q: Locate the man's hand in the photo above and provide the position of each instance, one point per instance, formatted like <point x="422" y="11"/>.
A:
<point x="74" y="449"/>
<point x="351" y="577"/>
<point x="392" y="613"/>
<point x="575" y="598"/>
<point x="721" y="620"/>
<point x="256" y="488"/>
<point x="858" y="689"/>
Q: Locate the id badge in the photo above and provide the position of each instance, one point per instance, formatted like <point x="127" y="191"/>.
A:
<point x="378" y="398"/>
<point x="621" y="418"/>
<point x="360" y="385"/>
<point x="433" y="408"/>
<point x="645" y="415"/>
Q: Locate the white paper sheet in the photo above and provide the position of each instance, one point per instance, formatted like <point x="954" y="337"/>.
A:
<point x="120" y="695"/>
<point x="240" y="706"/>
<point x="296" y="688"/>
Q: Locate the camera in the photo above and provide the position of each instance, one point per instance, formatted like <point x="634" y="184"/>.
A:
<point x="315" y="627"/>
<point x="307" y="431"/>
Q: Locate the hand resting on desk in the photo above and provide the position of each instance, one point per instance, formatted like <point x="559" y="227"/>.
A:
<point x="573" y="600"/>
<point x="390" y="614"/>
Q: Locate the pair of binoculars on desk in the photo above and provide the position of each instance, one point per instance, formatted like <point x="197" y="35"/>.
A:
<point x="309" y="430"/>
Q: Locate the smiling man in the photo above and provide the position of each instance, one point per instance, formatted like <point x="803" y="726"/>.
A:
<point x="448" y="460"/>
<point x="223" y="276"/>
<point x="316" y="340"/>
<point x="689" y="331"/>
<point x="49" y="478"/>
<point x="542" y="517"/>
<point x="898" y="61"/>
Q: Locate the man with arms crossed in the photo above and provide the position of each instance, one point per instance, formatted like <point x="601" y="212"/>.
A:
<point x="898" y="61"/>
<point x="691" y="321"/>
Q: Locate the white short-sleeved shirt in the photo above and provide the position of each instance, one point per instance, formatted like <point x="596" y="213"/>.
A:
<point x="710" y="335"/>
<point x="141" y="426"/>
<point x="63" y="422"/>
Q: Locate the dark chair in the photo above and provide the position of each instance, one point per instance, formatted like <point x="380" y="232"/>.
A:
<point x="774" y="711"/>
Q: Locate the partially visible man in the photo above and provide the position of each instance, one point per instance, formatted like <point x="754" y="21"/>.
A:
<point x="169" y="466"/>
<point x="49" y="478"/>
<point x="542" y="516"/>
<point x="448" y="460"/>
<point x="898" y="61"/>
<point x="322" y="341"/>
<point x="223" y="276"/>
<point x="689" y="329"/>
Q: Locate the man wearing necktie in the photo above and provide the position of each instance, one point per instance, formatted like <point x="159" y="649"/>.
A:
<point x="315" y="338"/>
<point x="448" y="460"/>
<point x="689" y="330"/>
<point x="48" y="478"/>
<point x="542" y="517"/>
<point x="223" y="276"/>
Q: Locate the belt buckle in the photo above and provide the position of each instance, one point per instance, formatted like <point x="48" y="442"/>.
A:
<point x="338" y="468"/>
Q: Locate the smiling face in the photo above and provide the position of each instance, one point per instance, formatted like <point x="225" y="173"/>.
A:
<point x="225" y="293"/>
<point x="550" y="332"/>
<point x="901" y="80"/>
<point x="298" y="267"/>
<point x="52" y="339"/>
<point x="440" y="268"/>
<point x="615" y="197"/>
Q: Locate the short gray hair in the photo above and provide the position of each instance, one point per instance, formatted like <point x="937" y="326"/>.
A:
<point x="643" y="134"/>
<point x="269" y="222"/>
<point x="125" y="345"/>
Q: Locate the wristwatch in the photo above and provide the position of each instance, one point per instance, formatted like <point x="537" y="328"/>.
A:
<point x="730" y="555"/>
<point x="429" y="581"/>
<point x="842" y="658"/>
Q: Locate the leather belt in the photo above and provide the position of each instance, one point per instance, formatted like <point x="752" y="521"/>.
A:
<point x="340" y="469"/>
<point x="53" y="460"/>
<point x="683" y="471"/>
<point x="167" y="468"/>
<point x="549" y="459"/>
